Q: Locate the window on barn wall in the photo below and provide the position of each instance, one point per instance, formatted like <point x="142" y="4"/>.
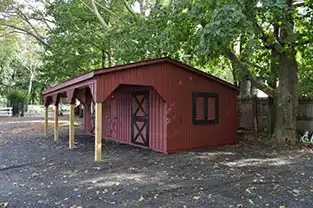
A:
<point x="204" y="108"/>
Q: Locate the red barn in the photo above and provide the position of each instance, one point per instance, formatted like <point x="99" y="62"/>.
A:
<point x="159" y="104"/>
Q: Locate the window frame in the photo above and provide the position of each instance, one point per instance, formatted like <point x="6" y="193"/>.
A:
<point x="205" y="96"/>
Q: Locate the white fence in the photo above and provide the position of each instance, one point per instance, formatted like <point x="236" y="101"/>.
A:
<point x="34" y="109"/>
<point x="5" y="111"/>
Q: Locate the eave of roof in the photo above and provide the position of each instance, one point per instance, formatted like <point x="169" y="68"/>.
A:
<point x="70" y="82"/>
<point x="92" y="74"/>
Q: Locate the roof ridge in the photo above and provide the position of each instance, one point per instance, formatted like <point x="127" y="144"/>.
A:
<point x="93" y="73"/>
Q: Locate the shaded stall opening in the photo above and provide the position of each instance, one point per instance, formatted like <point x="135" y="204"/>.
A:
<point x="136" y="115"/>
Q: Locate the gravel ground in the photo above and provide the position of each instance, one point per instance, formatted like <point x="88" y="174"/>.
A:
<point x="35" y="171"/>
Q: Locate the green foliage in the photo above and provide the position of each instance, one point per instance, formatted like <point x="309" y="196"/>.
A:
<point x="74" y="43"/>
<point x="16" y="96"/>
<point x="196" y="32"/>
<point x="19" y="62"/>
<point x="8" y="55"/>
<point x="21" y="38"/>
<point x="306" y="71"/>
<point x="305" y="47"/>
<point x="77" y="40"/>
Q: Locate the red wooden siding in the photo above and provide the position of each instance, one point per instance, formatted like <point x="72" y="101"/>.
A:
<point x="117" y="117"/>
<point x="109" y="114"/>
<point x="182" y="133"/>
<point x="85" y="97"/>
<point x="93" y="90"/>
<point x="152" y="75"/>
<point x="171" y="86"/>
<point x="176" y="86"/>
<point x="157" y="122"/>
<point x="124" y="114"/>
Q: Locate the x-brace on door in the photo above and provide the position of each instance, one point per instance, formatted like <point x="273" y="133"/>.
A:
<point x="140" y="118"/>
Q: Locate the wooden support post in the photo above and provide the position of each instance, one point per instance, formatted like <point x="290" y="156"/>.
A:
<point x="46" y="121"/>
<point x="56" y="123"/>
<point x="98" y="132"/>
<point x="71" y="126"/>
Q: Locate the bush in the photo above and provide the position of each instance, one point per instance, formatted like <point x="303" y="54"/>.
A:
<point x="17" y="100"/>
<point x="16" y="96"/>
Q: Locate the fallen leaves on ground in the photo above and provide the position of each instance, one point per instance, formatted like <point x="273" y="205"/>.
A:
<point x="32" y="127"/>
<point x="141" y="198"/>
<point x="4" y="204"/>
<point x="76" y="206"/>
<point x="236" y="206"/>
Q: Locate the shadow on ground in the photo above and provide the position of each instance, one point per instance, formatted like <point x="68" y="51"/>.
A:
<point x="35" y="171"/>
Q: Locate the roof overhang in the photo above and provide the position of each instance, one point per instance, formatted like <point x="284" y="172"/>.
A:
<point x="91" y="75"/>
<point x="69" y="83"/>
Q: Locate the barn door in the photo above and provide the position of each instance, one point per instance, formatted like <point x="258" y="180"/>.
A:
<point x="140" y="118"/>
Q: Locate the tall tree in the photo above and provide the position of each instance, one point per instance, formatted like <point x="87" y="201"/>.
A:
<point x="275" y="41"/>
<point x="24" y="27"/>
<point x="272" y="33"/>
<point x="28" y="18"/>
<point x="269" y="26"/>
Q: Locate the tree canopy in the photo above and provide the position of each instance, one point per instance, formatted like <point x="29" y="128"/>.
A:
<point x="266" y="42"/>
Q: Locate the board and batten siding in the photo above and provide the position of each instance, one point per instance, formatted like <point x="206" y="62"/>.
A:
<point x="182" y="133"/>
<point x="117" y="117"/>
<point x="171" y="85"/>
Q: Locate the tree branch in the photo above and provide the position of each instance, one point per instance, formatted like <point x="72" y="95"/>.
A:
<point x="157" y="3"/>
<point x="44" y="20"/>
<point x="254" y="65"/>
<point x="243" y="70"/>
<point x="11" y="32"/>
<point x="103" y="7"/>
<point x="86" y="5"/>
<point x="96" y="12"/>
<point x="25" y="18"/>
<point x="141" y="6"/>
<point x="258" y="30"/>
<point x="39" y="39"/>
<point x="276" y="34"/>
<point x="106" y="9"/>
<point x="130" y="10"/>
<point x="298" y="3"/>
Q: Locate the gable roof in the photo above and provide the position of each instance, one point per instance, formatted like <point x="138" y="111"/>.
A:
<point x="92" y="74"/>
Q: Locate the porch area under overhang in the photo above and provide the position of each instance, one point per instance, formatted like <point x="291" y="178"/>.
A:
<point x="138" y="119"/>
<point x="82" y="89"/>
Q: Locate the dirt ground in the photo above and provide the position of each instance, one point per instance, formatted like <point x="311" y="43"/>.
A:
<point x="35" y="171"/>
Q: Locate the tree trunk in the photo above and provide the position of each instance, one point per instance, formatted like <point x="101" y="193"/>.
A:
<point x="286" y="98"/>
<point x="30" y="85"/>
<point x="245" y="88"/>
<point x="272" y="81"/>
<point x="271" y="116"/>
<point x="286" y="93"/>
